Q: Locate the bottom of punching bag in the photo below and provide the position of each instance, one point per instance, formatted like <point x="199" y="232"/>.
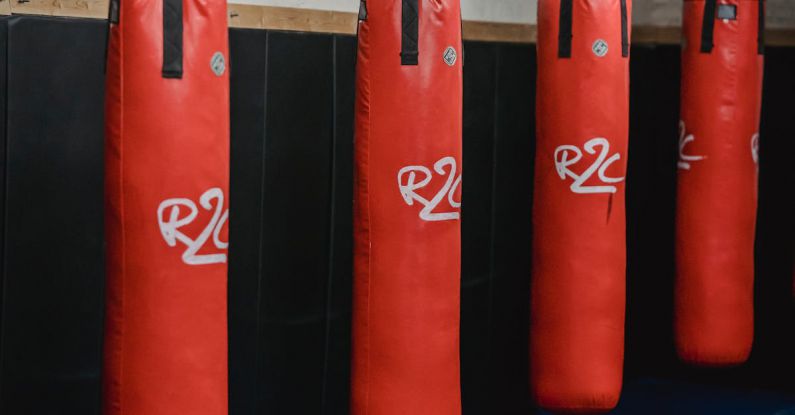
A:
<point x="593" y="403"/>
<point x="714" y="357"/>
<point x="594" y="410"/>
<point x="713" y="343"/>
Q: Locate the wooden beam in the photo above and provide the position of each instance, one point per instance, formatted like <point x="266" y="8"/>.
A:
<point x="283" y="18"/>
<point x="657" y="35"/>
<point x="326" y="21"/>
<point x="96" y="9"/>
<point x="5" y="7"/>
<point x="499" y="32"/>
<point x="780" y="37"/>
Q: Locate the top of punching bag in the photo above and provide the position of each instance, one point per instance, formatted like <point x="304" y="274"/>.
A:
<point x="727" y="12"/>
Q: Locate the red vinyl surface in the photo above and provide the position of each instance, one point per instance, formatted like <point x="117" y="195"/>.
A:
<point x="166" y="192"/>
<point x="406" y="213"/>
<point x="579" y="252"/>
<point x="717" y="187"/>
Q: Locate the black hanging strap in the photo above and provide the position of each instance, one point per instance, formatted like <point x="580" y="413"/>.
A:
<point x="362" y="10"/>
<point x="708" y="26"/>
<point x="113" y="12"/>
<point x="408" y="49"/>
<point x="113" y="18"/>
<point x="565" y="33"/>
<point x="564" y="29"/>
<point x="760" y="38"/>
<point x="624" y="29"/>
<point x="172" y="39"/>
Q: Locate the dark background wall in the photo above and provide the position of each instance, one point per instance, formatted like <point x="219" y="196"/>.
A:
<point x="291" y="185"/>
<point x="52" y="271"/>
<point x="290" y="261"/>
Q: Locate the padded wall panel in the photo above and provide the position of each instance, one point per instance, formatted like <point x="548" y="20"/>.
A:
<point x="477" y="263"/>
<point x="248" y="58"/>
<point x="3" y="101"/>
<point x="651" y="197"/>
<point x="336" y="375"/>
<point x="772" y="361"/>
<point x="53" y="253"/>
<point x="295" y="222"/>
<point x="514" y="155"/>
<point x="290" y="261"/>
<point x="499" y="103"/>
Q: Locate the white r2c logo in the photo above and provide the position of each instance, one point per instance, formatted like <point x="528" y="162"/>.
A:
<point x="170" y="220"/>
<point x="567" y="155"/>
<point x="408" y="185"/>
<point x="755" y="148"/>
<point x="685" y="159"/>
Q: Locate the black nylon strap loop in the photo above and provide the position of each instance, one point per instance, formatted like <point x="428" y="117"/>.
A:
<point x="113" y="12"/>
<point x="564" y="28"/>
<point x="760" y="38"/>
<point x="708" y="26"/>
<point x="172" y="39"/>
<point x="409" y="52"/>
<point x="362" y="10"/>
<point x="113" y="18"/>
<point x="624" y="30"/>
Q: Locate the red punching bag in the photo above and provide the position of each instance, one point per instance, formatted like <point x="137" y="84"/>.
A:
<point x="579" y="252"/>
<point x="166" y="187"/>
<point x="717" y="180"/>
<point x="406" y="209"/>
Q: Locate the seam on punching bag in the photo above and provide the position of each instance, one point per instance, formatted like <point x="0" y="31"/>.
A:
<point x="332" y="209"/>
<point x="3" y="187"/>
<point x="760" y="38"/>
<point x="261" y="225"/>
<point x="565" y="30"/>
<point x="461" y="36"/>
<point x="624" y="30"/>
<point x="172" y="39"/>
<point x="409" y="50"/>
<point x="708" y="26"/>
<point x="495" y="134"/>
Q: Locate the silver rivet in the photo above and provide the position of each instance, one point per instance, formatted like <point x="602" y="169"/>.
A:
<point x="218" y="63"/>
<point x="599" y="48"/>
<point x="450" y="56"/>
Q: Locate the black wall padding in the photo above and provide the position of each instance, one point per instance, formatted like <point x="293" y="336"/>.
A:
<point x="499" y="145"/>
<point x="3" y="101"/>
<point x="290" y="278"/>
<point x="53" y="267"/>
<point x="512" y="195"/>
<point x="476" y="231"/>
<point x="772" y="360"/>
<point x="651" y="204"/>
<point x="247" y="85"/>
<point x="336" y="376"/>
